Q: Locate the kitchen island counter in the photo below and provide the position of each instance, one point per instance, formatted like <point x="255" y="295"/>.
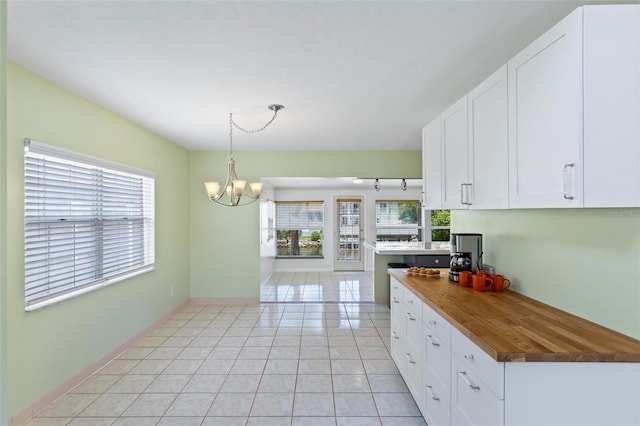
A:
<point x="511" y="327"/>
<point x="408" y="248"/>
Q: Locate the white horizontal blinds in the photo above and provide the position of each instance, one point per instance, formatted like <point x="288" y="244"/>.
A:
<point x="84" y="223"/>
<point x="293" y="215"/>
<point x="397" y="217"/>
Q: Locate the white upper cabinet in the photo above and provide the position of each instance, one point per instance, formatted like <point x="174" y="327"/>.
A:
<point x="455" y="161"/>
<point x="432" y="165"/>
<point x="545" y="119"/>
<point x="559" y="128"/>
<point x="489" y="143"/>
<point x="612" y="106"/>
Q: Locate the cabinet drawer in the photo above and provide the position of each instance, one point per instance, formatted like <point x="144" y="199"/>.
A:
<point x="489" y="370"/>
<point x="413" y="303"/>
<point x="437" y="359"/>
<point x="436" y="401"/>
<point x="439" y="327"/>
<point x="398" y="310"/>
<point x="472" y="402"/>
<point x="396" y="289"/>
<point x="397" y="343"/>
<point x="414" y="329"/>
<point x="413" y="376"/>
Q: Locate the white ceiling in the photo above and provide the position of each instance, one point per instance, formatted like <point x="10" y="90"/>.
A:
<point x="352" y="75"/>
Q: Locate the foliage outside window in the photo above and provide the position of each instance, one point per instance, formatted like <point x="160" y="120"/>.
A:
<point x="88" y="223"/>
<point x="398" y="221"/>
<point x="440" y="225"/>
<point x="299" y="228"/>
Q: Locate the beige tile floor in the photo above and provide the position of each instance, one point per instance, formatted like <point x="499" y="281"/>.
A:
<point x="318" y="287"/>
<point x="263" y="364"/>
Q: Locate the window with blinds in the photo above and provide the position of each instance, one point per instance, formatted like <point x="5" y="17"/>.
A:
<point x="88" y="223"/>
<point x="398" y="220"/>
<point x="300" y="228"/>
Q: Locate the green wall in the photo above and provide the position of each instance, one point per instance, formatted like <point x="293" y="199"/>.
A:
<point x="584" y="261"/>
<point x="49" y="346"/>
<point x="3" y="215"/>
<point x="225" y="252"/>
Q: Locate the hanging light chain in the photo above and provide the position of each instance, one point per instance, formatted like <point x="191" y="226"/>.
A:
<point x="275" y="108"/>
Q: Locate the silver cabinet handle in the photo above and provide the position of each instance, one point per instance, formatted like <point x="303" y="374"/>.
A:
<point x="432" y="322"/>
<point x="431" y="340"/>
<point x="395" y="300"/>
<point x="411" y="318"/>
<point x="468" y="357"/>
<point x="468" y="186"/>
<point x="431" y="394"/>
<point x="567" y="181"/>
<point x="411" y="361"/>
<point x="395" y="335"/>
<point x="463" y="376"/>
<point x="465" y="195"/>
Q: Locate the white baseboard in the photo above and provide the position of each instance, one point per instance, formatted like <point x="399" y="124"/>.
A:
<point x="225" y="300"/>
<point x="26" y="415"/>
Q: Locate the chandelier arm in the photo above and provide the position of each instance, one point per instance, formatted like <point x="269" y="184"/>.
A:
<point x="238" y="203"/>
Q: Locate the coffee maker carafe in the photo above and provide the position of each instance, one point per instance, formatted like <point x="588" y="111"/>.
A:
<point x="466" y="254"/>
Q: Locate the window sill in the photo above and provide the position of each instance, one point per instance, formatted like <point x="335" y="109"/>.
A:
<point x="300" y="257"/>
<point x="88" y="289"/>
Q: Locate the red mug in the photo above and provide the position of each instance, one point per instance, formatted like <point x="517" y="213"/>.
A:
<point x="464" y="277"/>
<point x="481" y="282"/>
<point x="499" y="282"/>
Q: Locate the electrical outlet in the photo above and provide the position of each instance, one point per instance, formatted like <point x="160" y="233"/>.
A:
<point x="173" y="291"/>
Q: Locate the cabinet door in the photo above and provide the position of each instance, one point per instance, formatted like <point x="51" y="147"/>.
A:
<point x="488" y="143"/>
<point x="472" y="403"/>
<point x="455" y="163"/>
<point x="398" y="344"/>
<point x="432" y="165"/>
<point x="437" y="401"/>
<point x="545" y="119"/>
<point x="612" y="106"/>
<point x="413" y="373"/>
<point x="437" y="360"/>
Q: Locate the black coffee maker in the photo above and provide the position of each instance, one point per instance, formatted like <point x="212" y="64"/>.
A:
<point x="460" y="261"/>
<point x="466" y="254"/>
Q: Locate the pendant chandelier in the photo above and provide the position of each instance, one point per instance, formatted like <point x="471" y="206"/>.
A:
<point x="233" y="193"/>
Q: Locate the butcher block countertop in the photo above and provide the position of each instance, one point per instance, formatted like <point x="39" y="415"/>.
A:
<point x="511" y="327"/>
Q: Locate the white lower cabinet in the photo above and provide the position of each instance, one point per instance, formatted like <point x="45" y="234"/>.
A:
<point x="477" y="384"/>
<point x="436" y="370"/>
<point x="455" y="382"/>
<point x="406" y="337"/>
<point x="472" y="402"/>
<point x="437" y="401"/>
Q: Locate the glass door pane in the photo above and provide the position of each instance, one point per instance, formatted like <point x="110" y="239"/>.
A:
<point x="349" y="228"/>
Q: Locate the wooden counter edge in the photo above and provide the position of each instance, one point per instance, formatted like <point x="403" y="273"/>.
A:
<point x="500" y="356"/>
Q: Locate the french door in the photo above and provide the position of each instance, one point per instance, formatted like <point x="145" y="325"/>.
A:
<point x="349" y="234"/>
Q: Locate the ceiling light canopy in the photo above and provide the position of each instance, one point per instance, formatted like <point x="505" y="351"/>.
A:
<point x="233" y="192"/>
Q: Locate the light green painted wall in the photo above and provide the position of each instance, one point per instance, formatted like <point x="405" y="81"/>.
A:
<point x="584" y="261"/>
<point x="49" y="346"/>
<point x="3" y="215"/>
<point x="225" y="255"/>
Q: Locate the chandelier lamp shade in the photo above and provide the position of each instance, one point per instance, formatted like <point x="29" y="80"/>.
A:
<point x="233" y="192"/>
